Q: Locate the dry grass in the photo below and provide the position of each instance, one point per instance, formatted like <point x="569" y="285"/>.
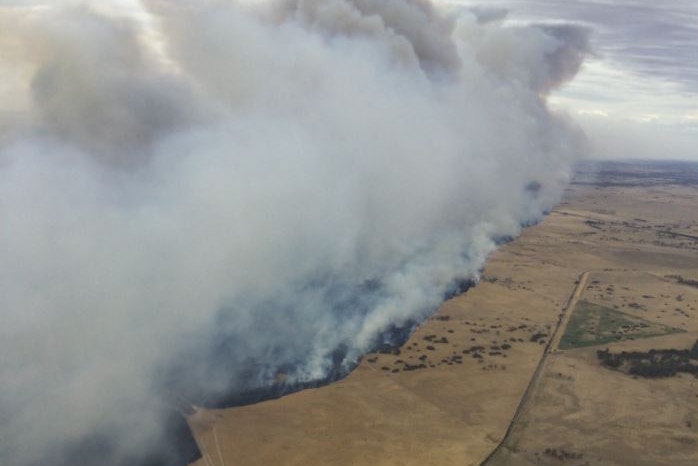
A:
<point x="455" y="409"/>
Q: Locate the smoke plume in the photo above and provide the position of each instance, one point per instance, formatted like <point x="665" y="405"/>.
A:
<point x="230" y="194"/>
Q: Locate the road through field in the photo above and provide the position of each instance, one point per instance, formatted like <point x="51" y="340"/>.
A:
<point x="497" y="454"/>
<point x="567" y="313"/>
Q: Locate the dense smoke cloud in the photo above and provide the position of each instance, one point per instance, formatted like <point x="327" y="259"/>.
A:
<point x="266" y="198"/>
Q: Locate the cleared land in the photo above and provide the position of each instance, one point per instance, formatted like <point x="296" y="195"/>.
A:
<point x="592" y="324"/>
<point x="450" y="394"/>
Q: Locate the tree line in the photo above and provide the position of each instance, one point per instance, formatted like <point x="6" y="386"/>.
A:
<point x="653" y="363"/>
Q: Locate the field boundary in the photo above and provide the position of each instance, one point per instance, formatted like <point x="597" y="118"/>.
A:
<point x="567" y="313"/>
<point x="564" y="318"/>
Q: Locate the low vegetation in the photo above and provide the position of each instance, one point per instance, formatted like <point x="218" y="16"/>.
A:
<point x="592" y="324"/>
<point x="562" y="454"/>
<point x="684" y="281"/>
<point x="653" y="363"/>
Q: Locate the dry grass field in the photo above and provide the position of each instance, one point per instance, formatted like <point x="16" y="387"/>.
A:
<point x="448" y="397"/>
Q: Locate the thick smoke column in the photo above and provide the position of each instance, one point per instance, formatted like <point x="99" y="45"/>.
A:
<point x="263" y="200"/>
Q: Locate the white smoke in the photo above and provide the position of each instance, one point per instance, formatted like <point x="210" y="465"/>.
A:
<point x="288" y="182"/>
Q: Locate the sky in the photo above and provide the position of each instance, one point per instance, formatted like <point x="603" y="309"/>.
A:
<point x="263" y="191"/>
<point x="637" y="96"/>
<point x="213" y="195"/>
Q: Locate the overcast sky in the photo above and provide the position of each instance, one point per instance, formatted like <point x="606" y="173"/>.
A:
<point x="198" y="201"/>
<point x="637" y="98"/>
<point x="274" y="191"/>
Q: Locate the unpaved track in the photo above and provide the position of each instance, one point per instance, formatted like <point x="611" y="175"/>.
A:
<point x="567" y="313"/>
<point x="550" y="347"/>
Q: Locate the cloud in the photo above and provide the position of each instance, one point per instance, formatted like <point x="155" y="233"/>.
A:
<point x="637" y="89"/>
<point x="299" y="178"/>
<point x="657" y="43"/>
<point x="633" y="139"/>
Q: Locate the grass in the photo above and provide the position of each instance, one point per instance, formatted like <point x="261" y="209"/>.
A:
<point x="592" y="324"/>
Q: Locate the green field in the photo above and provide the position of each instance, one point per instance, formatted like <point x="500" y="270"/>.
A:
<point x="592" y="324"/>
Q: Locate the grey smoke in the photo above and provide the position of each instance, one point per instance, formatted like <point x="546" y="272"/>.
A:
<point x="290" y="181"/>
<point x="487" y="14"/>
